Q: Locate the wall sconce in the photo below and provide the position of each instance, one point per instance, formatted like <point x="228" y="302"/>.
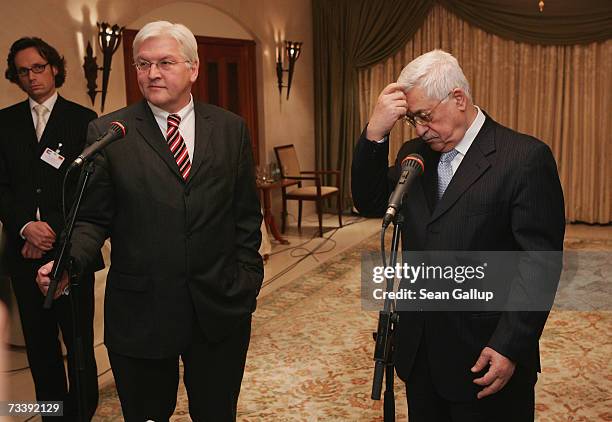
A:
<point x="109" y="39"/>
<point x="292" y="49"/>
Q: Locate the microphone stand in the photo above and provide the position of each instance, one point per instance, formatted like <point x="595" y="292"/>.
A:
<point x="384" y="337"/>
<point x="61" y="263"/>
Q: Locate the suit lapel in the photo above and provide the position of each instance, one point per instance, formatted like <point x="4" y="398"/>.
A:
<point x="473" y="165"/>
<point x="203" y="129"/>
<point x="147" y="127"/>
<point x="27" y="132"/>
<point x="429" y="181"/>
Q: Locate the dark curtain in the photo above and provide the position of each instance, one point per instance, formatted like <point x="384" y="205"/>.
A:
<point x="562" y="22"/>
<point x="350" y="34"/>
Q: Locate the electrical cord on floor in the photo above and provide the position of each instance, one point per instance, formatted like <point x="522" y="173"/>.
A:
<point x="295" y="264"/>
<point x="294" y="253"/>
<point x="309" y="252"/>
<point x="348" y="223"/>
<point x="292" y="247"/>
<point x="314" y="236"/>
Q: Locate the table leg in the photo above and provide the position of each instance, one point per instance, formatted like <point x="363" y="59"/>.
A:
<point x="269" y="218"/>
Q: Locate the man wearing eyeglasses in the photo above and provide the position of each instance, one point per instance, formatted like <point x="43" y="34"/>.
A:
<point x="40" y="137"/>
<point x="177" y="197"/>
<point x="485" y="188"/>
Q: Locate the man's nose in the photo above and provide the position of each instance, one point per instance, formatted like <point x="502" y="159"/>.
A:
<point x="421" y="130"/>
<point x="154" y="72"/>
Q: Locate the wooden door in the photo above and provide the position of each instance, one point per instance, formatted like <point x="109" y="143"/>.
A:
<point x="226" y="78"/>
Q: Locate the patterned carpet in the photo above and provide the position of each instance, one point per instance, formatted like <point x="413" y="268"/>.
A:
<point x="311" y="354"/>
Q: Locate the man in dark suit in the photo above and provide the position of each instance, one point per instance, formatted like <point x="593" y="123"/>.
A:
<point x="177" y="197"/>
<point x="40" y="137"/>
<point x="485" y="188"/>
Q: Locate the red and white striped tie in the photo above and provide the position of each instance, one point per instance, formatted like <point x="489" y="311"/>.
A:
<point x="177" y="145"/>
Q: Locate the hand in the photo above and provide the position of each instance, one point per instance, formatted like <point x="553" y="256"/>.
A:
<point x="43" y="280"/>
<point x="500" y="371"/>
<point x="40" y="234"/>
<point x="29" y="251"/>
<point x="390" y="107"/>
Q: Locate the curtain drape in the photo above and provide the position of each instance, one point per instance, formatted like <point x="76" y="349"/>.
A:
<point x="562" y="22"/>
<point x="560" y="94"/>
<point x="353" y="34"/>
<point x="349" y="34"/>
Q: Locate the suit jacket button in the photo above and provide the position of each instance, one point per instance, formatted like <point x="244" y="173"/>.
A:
<point x="187" y="192"/>
<point x="38" y="190"/>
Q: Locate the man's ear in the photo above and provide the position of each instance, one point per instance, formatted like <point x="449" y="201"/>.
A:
<point x="460" y="98"/>
<point x="195" y="68"/>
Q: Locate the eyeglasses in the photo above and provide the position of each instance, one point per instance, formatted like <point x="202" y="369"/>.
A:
<point x="163" y="65"/>
<point x="37" y="68"/>
<point x="423" y="118"/>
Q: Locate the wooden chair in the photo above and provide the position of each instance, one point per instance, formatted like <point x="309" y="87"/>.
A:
<point x="290" y="169"/>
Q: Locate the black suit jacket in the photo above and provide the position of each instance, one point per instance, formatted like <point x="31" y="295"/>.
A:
<point x="184" y="254"/>
<point x="505" y="196"/>
<point x="26" y="182"/>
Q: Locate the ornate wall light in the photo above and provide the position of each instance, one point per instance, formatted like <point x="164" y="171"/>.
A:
<point x="292" y="51"/>
<point x="109" y="38"/>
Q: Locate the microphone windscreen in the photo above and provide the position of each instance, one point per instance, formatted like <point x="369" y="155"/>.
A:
<point x="414" y="161"/>
<point x="118" y="127"/>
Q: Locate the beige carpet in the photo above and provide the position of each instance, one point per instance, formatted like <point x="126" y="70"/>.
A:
<point x="311" y="354"/>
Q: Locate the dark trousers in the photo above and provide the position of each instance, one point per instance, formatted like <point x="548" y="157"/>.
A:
<point x="513" y="403"/>
<point x="212" y="375"/>
<point x="41" y="328"/>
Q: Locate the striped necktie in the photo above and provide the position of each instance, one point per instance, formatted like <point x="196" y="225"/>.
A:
<point x="177" y="145"/>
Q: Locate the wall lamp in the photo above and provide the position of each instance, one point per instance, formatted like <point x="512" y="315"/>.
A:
<point x="109" y="38"/>
<point x="292" y="50"/>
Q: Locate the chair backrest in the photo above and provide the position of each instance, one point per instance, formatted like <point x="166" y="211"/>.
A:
<point x="287" y="160"/>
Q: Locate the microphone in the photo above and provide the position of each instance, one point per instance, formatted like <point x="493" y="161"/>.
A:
<point x="412" y="167"/>
<point x="116" y="131"/>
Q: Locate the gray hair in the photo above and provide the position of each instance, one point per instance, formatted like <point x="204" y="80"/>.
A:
<point x="182" y="34"/>
<point x="437" y="73"/>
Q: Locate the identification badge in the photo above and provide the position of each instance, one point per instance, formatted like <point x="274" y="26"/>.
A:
<point x="53" y="158"/>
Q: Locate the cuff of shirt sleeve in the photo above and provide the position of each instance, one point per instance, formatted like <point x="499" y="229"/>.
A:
<point x="23" y="228"/>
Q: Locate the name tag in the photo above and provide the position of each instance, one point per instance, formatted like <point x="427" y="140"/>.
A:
<point x="53" y="158"/>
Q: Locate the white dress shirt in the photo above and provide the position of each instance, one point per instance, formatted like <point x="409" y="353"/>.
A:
<point x="465" y="143"/>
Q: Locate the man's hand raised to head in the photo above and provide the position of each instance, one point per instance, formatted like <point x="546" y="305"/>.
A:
<point x="390" y="107"/>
